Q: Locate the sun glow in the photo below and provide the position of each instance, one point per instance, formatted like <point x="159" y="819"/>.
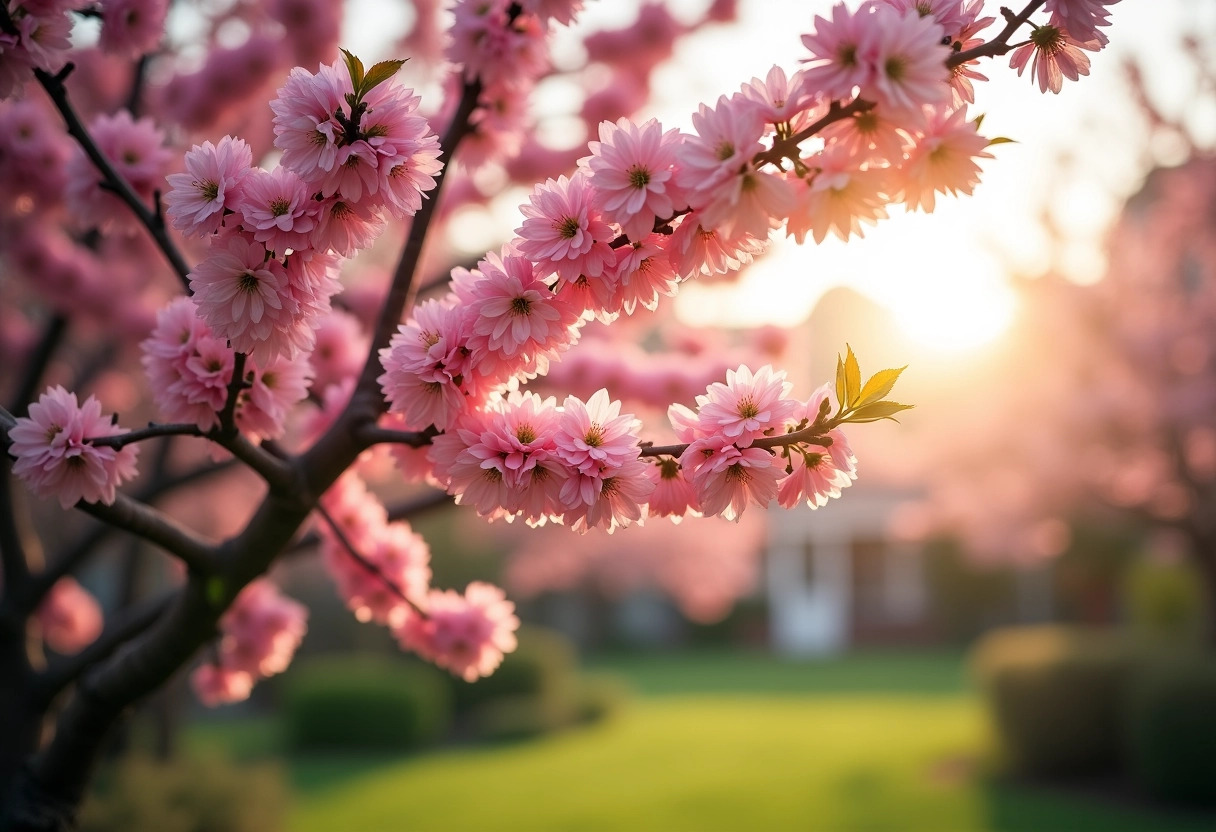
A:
<point x="954" y="311"/>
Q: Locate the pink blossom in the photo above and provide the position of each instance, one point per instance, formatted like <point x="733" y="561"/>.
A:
<point x="1056" y="56"/>
<point x="465" y="634"/>
<point x="132" y="27"/>
<point x="215" y="686"/>
<point x="619" y="501"/>
<point x="943" y="159"/>
<point x="340" y="348"/>
<point x="643" y="273"/>
<point x="1082" y="19"/>
<point x="595" y="435"/>
<point x="747" y="406"/>
<point x="54" y="457"/>
<point x="632" y="171"/>
<point x="837" y="64"/>
<point x="778" y="99"/>
<point x="346" y="226"/>
<point x="726" y="479"/>
<point x="694" y="250"/>
<point x="211" y="186"/>
<point x="70" y="617"/>
<point x="673" y="495"/>
<point x="493" y="44"/>
<point x="908" y="59"/>
<point x="427" y="367"/>
<point x="868" y="137"/>
<point x="261" y="630"/>
<point x="277" y="210"/>
<point x="520" y="324"/>
<point x="305" y="127"/>
<point x="135" y="149"/>
<point x="838" y="198"/>
<point x="562" y="232"/>
<point x="245" y="298"/>
<point x="396" y="563"/>
<point x="277" y="386"/>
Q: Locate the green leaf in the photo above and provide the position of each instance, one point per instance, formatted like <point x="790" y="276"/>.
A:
<point x="879" y="385"/>
<point x="380" y="73"/>
<point x="355" y="67"/>
<point x="840" y="381"/>
<point x="1001" y="140"/>
<point x="878" y="410"/>
<point x="852" y="377"/>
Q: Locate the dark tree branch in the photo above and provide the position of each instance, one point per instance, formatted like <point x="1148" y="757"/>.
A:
<point x="157" y="528"/>
<point x="1000" y="44"/>
<point x="122" y="627"/>
<point x="373" y="434"/>
<point x="31" y="379"/>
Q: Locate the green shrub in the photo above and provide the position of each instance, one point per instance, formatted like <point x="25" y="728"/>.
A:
<point x="1056" y="697"/>
<point x="205" y="794"/>
<point x="519" y="717"/>
<point x="1171" y="729"/>
<point x="366" y="703"/>
<point x="1165" y="600"/>
<point x="544" y="665"/>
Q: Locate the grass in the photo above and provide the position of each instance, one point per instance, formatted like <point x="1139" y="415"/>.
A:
<point x="720" y="742"/>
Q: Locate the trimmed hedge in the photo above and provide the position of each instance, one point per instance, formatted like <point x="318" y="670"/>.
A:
<point x="366" y="704"/>
<point x="1056" y="697"/>
<point x="1171" y="730"/>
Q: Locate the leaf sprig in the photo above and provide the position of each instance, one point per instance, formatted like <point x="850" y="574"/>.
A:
<point x="860" y="403"/>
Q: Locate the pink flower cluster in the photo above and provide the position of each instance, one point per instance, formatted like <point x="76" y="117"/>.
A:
<point x="722" y="471"/>
<point x="259" y="636"/>
<point x="523" y="456"/>
<point x="465" y="634"/>
<point x="55" y="457"/>
<point x="275" y="236"/>
<point x="42" y="39"/>
<point x="389" y="583"/>
<point x="190" y="369"/>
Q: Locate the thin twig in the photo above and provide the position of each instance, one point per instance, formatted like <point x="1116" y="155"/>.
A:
<point x="1000" y="44"/>
<point x="153" y="430"/>
<point x="815" y="434"/>
<point x="113" y="180"/>
<point x="370" y="567"/>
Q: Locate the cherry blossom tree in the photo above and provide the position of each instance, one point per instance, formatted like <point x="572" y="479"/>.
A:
<point x="156" y="211"/>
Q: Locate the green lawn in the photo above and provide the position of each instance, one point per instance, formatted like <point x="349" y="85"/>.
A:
<point x="730" y="742"/>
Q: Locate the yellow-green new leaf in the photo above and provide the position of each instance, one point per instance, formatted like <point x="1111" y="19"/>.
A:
<point x="380" y="73"/>
<point x="879" y="385"/>
<point x="852" y="377"/>
<point x="878" y="410"/>
<point x="840" y="384"/>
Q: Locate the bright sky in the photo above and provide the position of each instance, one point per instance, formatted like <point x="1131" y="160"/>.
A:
<point x="945" y="275"/>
